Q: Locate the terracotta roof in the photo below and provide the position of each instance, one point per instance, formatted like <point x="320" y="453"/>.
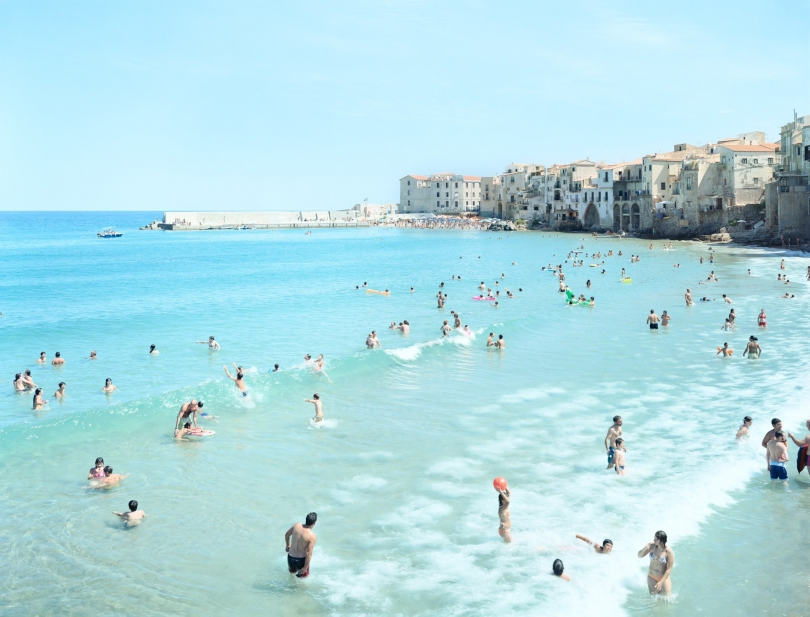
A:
<point x="751" y="148"/>
<point x="472" y="178"/>
<point x="417" y="177"/>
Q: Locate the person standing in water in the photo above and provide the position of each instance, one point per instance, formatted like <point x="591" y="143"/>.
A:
<point x="238" y="380"/>
<point x="652" y="319"/>
<point x="665" y="319"/>
<point x="688" y="297"/>
<point x="43" y="359"/>
<point x="60" y="393"/>
<point x="505" y="526"/>
<point x="743" y="433"/>
<point x="662" y="560"/>
<point x="618" y="457"/>
<point x="212" y="344"/>
<point x="153" y="351"/>
<point x="300" y="542"/>
<point x="186" y="410"/>
<point x="762" y="320"/>
<point x="58" y="360"/>
<point x="776" y="457"/>
<point x="316" y="400"/>
<point x="753" y="349"/>
<point x="109" y="388"/>
<point x="39" y="402"/>
<point x="614" y="432"/>
<point x="134" y="516"/>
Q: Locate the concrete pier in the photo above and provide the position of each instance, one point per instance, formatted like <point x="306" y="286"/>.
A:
<point x="198" y="221"/>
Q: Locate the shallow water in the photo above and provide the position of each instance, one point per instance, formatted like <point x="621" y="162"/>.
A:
<point x="400" y="474"/>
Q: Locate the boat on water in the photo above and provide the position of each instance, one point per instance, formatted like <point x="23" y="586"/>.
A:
<point x="109" y="233"/>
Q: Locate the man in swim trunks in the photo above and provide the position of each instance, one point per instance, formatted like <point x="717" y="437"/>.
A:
<point x="776" y="423"/>
<point x="212" y="344"/>
<point x="445" y="329"/>
<point x="42" y="358"/>
<point x="134" y="516"/>
<point x="372" y="341"/>
<point x="300" y="543"/>
<point x="652" y="319"/>
<point x="688" y="297"/>
<point x="618" y="456"/>
<point x="500" y="343"/>
<point x="503" y="515"/>
<point x="316" y="400"/>
<point x="238" y="380"/>
<point x="58" y="360"/>
<point x="614" y="432"/>
<point x="186" y="410"/>
<point x="777" y="456"/>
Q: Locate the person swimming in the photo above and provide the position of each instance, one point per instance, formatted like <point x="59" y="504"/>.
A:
<point x="238" y="380"/>
<point x="558" y="569"/>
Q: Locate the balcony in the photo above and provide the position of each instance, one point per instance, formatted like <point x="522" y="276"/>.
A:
<point x="557" y="185"/>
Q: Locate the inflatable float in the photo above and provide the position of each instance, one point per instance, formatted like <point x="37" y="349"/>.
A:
<point x="376" y="291"/>
<point x="200" y="432"/>
<point x="729" y="350"/>
<point x="485" y="298"/>
<point x="627" y="280"/>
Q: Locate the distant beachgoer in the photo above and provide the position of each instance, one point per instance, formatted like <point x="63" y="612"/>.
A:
<point x="58" y="360"/>
<point x="39" y="402"/>
<point x="777" y="456"/>
<point x="490" y="342"/>
<point x="503" y="514"/>
<point x="405" y="327"/>
<point x="603" y="549"/>
<point x="724" y="350"/>
<point x="762" y="320"/>
<point x="316" y="400"/>
<point x="688" y="297"/>
<point x="776" y="423"/>
<point x="618" y="457"/>
<point x="412" y="290"/>
<point x="60" y="393"/>
<point x="19" y="384"/>
<point x="238" y="380"/>
<point x="753" y="348"/>
<point x="28" y="380"/>
<point x="665" y="319"/>
<point x="500" y="343"/>
<point x="134" y="516"/>
<point x="93" y="355"/>
<point x="109" y="388"/>
<point x="212" y="344"/>
<point x="557" y="568"/>
<point x="153" y="350"/>
<point x="182" y="432"/>
<point x="743" y="433"/>
<point x="727" y="300"/>
<point x="372" y="341"/>
<point x="652" y="319"/>
<point x="42" y="358"/>
<point x="300" y="542"/>
<point x="110" y="478"/>
<point x="614" y="432"/>
<point x="189" y="409"/>
<point x="445" y="329"/>
<point x="276" y="368"/>
<point x="96" y="472"/>
<point x="662" y="560"/>
<point x="726" y="325"/>
<point x="456" y="320"/>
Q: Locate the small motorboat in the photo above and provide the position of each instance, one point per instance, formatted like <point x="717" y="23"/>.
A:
<point x="109" y="233"/>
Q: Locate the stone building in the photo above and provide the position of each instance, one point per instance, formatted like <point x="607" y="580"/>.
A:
<point x="442" y="193"/>
<point x="787" y="203"/>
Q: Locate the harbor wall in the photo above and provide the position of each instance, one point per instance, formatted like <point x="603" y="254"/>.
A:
<point x="268" y="219"/>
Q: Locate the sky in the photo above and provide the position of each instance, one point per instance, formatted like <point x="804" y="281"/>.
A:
<point x="226" y="105"/>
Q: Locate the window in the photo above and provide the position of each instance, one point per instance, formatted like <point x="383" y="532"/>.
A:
<point x="456" y="184"/>
<point x="447" y="194"/>
<point x="438" y="204"/>
<point x="447" y="185"/>
<point x="770" y="161"/>
<point x="688" y="183"/>
<point x="447" y="204"/>
<point x="409" y="203"/>
<point x="744" y="161"/>
<point x="409" y="191"/>
<point x="456" y="203"/>
<point x="723" y="159"/>
<point x="512" y="179"/>
<point x="573" y="169"/>
<point x="606" y="175"/>
<point x="606" y="196"/>
<point x="756" y="161"/>
<point x="663" y="186"/>
<point x="756" y="180"/>
<point x="438" y="194"/>
<point x="466" y="203"/>
<point x="409" y="182"/>
<point x="466" y="194"/>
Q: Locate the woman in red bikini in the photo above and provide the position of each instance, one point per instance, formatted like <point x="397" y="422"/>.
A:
<point x="762" y="320"/>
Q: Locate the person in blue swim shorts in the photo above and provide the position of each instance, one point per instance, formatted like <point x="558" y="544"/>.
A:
<point x="777" y="457"/>
<point x="614" y="433"/>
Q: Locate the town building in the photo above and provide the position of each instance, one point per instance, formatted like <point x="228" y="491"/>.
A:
<point x="442" y="193"/>
<point x="787" y="203"/>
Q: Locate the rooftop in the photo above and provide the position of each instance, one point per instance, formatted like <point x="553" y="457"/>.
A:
<point x="748" y="148"/>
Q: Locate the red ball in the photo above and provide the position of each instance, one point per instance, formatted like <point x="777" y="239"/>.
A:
<point x="499" y="483"/>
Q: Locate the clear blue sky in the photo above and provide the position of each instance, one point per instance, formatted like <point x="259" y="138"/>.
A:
<point x="209" y="105"/>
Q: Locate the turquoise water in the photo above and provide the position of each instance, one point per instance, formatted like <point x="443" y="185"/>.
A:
<point x="400" y="474"/>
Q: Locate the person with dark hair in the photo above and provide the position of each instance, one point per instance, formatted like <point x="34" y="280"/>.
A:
<point x="42" y="358"/>
<point x="212" y="344"/>
<point x="803" y="442"/>
<point x="603" y="549"/>
<point x="276" y="368"/>
<point x="316" y="400"/>
<point x="753" y="349"/>
<point x="188" y="409"/>
<point x="662" y="560"/>
<point x="614" y="432"/>
<point x="109" y="388"/>
<point x="777" y="456"/>
<point x="153" y="351"/>
<point x="134" y="516"/>
<point x="19" y="384"/>
<point x="58" y="360"/>
<point x="652" y="319"/>
<point x="97" y="472"/>
<point x="505" y="518"/>
<point x="776" y="423"/>
<point x="558" y="569"/>
<point x="238" y="380"/>
<point x="618" y="457"/>
<point x="300" y="542"/>
<point x="180" y="433"/>
<point x="27" y="380"/>
<point x="39" y="402"/>
<point x="110" y="478"/>
<point x="742" y="433"/>
<point x="60" y="393"/>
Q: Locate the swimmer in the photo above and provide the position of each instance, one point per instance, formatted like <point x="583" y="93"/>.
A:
<point x="662" y="560"/>
<point x="753" y="349"/>
<point x="503" y="515"/>
<point x="42" y="358"/>
<point x="134" y="516"/>
<point x="318" y="368"/>
<point x="372" y="341"/>
<point x="776" y="423"/>
<point x="614" y="433"/>
<point x="688" y="297"/>
<point x="490" y="342"/>
<point x="109" y="388"/>
<point x="238" y="380"/>
<point x="727" y="300"/>
<point x="316" y="400"/>
<point x="212" y="344"/>
<point x="307" y="359"/>
<point x="181" y="433"/>
<point x="188" y="409"/>
<point x="93" y="355"/>
<point x="60" y="393"/>
<point x="445" y="329"/>
<point x="153" y="351"/>
<point x="28" y="380"/>
<point x="776" y="456"/>
<point x="39" y="402"/>
<point x="300" y="542"/>
<point x="665" y="319"/>
<point x="276" y="368"/>
<point x="557" y="568"/>
<point x="618" y="457"/>
<point x="732" y="316"/>
<point x="412" y="290"/>
<point x="19" y="384"/>
<point x="405" y="327"/>
<point x="500" y="343"/>
<point x="652" y="319"/>
<point x="466" y="330"/>
<point x="726" y="325"/>
<point x="393" y="325"/>
<point x="110" y="478"/>
<point x="742" y="432"/>
<point x="603" y="549"/>
<point x="723" y="350"/>
<point x="58" y="360"/>
<point x="96" y="472"/>
<point x="456" y="320"/>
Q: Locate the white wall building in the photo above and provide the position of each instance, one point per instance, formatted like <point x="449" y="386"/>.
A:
<point x="442" y="193"/>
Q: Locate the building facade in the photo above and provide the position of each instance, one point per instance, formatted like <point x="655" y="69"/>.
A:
<point x="442" y="193"/>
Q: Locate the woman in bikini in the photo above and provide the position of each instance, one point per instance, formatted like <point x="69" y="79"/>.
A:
<point x="762" y="319"/>
<point x="662" y="560"/>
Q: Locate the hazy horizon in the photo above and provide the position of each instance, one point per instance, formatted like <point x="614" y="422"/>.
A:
<point x="155" y="106"/>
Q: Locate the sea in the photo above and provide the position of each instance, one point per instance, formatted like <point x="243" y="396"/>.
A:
<point x="400" y="471"/>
